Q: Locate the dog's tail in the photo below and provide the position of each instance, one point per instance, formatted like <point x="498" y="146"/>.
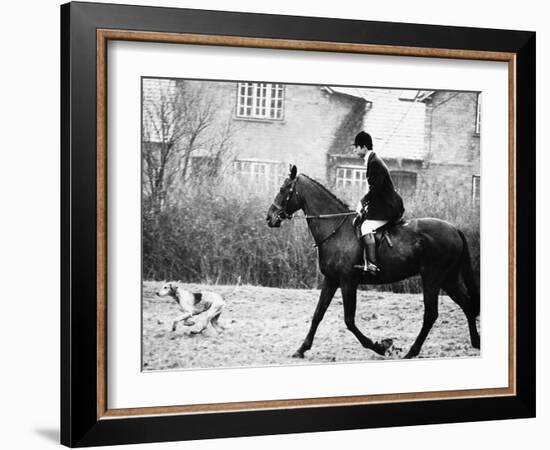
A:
<point x="235" y="288"/>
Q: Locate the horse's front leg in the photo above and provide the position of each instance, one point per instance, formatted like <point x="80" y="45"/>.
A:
<point x="349" y="296"/>
<point x="327" y="293"/>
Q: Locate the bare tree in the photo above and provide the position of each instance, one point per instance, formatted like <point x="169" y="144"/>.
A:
<point x="179" y="119"/>
<point x="218" y="152"/>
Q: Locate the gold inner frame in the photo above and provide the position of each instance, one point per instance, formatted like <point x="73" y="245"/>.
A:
<point x="103" y="36"/>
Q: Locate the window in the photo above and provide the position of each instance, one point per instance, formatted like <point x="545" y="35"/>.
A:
<point x="267" y="173"/>
<point x="478" y="114"/>
<point x="476" y="185"/>
<point x="403" y="181"/>
<point x="351" y="177"/>
<point x="356" y="178"/>
<point x="260" y="101"/>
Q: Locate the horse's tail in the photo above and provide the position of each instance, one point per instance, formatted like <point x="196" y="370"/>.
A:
<point x="468" y="274"/>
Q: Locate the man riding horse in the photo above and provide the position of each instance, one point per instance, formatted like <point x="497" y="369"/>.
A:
<point x="380" y="205"/>
<point x="432" y="248"/>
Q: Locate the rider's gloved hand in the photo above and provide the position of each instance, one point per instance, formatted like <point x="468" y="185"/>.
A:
<point x="360" y="212"/>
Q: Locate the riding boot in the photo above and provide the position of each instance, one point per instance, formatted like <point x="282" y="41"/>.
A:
<point x="369" y="255"/>
<point x="370" y="261"/>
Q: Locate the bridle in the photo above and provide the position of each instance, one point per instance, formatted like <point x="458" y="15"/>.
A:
<point x="282" y="213"/>
<point x="281" y="208"/>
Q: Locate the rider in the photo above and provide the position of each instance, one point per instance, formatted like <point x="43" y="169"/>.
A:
<point x="380" y="205"/>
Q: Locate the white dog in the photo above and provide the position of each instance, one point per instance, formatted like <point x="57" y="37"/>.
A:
<point x="194" y="303"/>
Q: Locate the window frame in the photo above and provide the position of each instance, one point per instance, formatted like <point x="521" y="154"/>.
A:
<point x="355" y="182"/>
<point x="271" y="174"/>
<point x="476" y="189"/>
<point x="268" y="99"/>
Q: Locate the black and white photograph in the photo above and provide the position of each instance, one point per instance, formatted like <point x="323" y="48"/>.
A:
<point x="289" y="223"/>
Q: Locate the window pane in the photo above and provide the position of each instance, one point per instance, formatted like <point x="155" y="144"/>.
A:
<point x="476" y="191"/>
<point x="262" y="100"/>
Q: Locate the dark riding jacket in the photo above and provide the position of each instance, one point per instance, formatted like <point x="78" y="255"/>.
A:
<point x="381" y="202"/>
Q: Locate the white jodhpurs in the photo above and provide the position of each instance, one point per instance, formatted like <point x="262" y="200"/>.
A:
<point x="368" y="226"/>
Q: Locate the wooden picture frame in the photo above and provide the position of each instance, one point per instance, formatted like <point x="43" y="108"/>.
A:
<point x="85" y="416"/>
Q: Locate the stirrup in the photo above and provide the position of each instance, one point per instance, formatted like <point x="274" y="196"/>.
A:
<point x="368" y="267"/>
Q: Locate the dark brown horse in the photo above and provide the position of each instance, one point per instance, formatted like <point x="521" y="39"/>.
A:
<point x="433" y="248"/>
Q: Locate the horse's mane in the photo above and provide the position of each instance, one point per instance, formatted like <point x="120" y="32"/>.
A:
<point x="331" y="195"/>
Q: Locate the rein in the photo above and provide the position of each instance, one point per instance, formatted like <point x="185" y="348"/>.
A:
<point x="328" y="216"/>
<point x="284" y="215"/>
<point x="334" y="231"/>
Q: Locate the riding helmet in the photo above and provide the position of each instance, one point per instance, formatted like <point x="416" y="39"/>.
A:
<point x="363" y="140"/>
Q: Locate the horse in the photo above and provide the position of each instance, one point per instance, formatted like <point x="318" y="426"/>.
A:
<point x="432" y="248"/>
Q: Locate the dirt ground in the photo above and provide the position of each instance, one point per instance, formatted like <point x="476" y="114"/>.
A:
<point x="264" y="326"/>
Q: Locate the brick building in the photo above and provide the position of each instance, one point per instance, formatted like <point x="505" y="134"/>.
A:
<point x="427" y="138"/>
<point x="298" y="124"/>
<point x="271" y="124"/>
<point x="453" y="126"/>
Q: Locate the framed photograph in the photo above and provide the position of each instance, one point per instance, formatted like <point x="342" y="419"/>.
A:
<point x="279" y="224"/>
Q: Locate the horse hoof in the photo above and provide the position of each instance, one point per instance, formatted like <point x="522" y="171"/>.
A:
<point x="382" y="347"/>
<point x="476" y="343"/>
<point x="411" y="354"/>
<point x="394" y="351"/>
<point x="298" y="354"/>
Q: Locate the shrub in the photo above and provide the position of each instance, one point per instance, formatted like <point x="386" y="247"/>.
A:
<point x="217" y="232"/>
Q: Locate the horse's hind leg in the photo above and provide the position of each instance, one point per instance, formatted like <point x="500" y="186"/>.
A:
<point x="458" y="293"/>
<point x="431" y="299"/>
<point x="327" y="293"/>
<point x="349" y="295"/>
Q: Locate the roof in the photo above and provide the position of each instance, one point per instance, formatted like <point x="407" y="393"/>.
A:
<point x="396" y="122"/>
<point x="346" y="91"/>
<point x="395" y="119"/>
<point x="154" y="91"/>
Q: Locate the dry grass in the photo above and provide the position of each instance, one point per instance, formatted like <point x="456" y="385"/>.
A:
<point x="216" y="232"/>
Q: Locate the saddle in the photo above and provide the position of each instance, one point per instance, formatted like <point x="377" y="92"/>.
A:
<point x="382" y="233"/>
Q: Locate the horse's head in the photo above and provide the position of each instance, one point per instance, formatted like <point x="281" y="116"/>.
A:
<point x="286" y="202"/>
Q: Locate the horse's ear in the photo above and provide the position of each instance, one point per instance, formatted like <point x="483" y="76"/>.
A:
<point x="293" y="171"/>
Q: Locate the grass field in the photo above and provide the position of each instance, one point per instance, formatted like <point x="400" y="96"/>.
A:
<point x="264" y="326"/>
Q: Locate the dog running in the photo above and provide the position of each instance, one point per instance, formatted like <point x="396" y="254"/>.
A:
<point x="195" y="303"/>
